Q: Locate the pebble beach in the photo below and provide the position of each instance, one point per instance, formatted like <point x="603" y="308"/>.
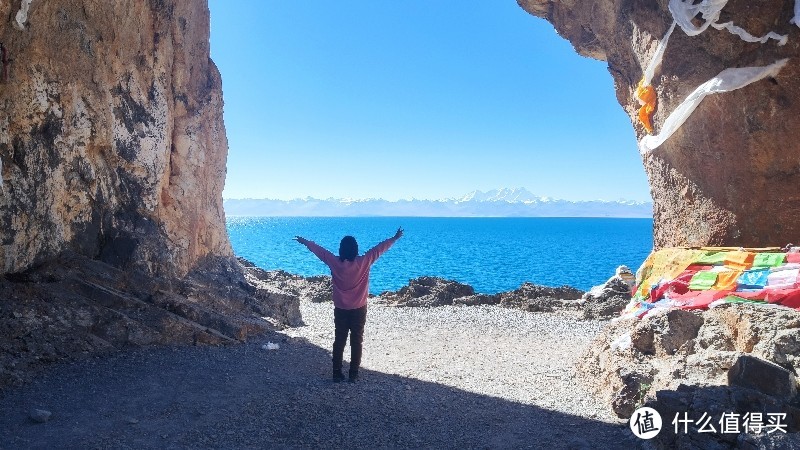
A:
<point x="445" y="377"/>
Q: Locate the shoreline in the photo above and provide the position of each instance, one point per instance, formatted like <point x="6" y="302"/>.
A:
<point x="603" y="301"/>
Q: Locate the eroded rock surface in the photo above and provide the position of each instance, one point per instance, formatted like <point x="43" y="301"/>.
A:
<point x="111" y="138"/>
<point x="73" y="306"/>
<point x="538" y="298"/>
<point x="112" y="165"/>
<point x="730" y="174"/>
<point x="631" y="360"/>
<point x="710" y="408"/>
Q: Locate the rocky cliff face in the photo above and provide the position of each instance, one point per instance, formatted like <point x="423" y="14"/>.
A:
<point x="111" y="135"/>
<point x="113" y="151"/>
<point x="730" y="175"/>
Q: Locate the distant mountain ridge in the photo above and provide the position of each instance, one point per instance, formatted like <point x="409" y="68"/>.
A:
<point x="506" y="202"/>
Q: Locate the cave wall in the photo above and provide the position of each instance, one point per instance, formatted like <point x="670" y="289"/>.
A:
<point x="731" y="174"/>
<point x="112" y="141"/>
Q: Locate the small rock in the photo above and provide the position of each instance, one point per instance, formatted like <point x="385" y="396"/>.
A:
<point x="40" y="415"/>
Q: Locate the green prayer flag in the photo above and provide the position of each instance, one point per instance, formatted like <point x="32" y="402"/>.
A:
<point x="703" y="280"/>
<point x="768" y="259"/>
<point x="711" y="258"/>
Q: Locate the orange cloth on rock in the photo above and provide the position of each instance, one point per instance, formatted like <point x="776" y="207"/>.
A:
<point x="739" y="260"/>
<point x="726" y="280"/>
<point x="648" y="98"/>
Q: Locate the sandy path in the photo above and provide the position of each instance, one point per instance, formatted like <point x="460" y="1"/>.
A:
<point x="483" y="377"/>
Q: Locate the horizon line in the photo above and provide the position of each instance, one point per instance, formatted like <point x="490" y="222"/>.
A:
<point x="435" y="217"/>
<point x="349" y="199"/>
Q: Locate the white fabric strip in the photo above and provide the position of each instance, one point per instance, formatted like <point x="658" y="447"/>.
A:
<point x="22" y="14"/>
<point x="742" y="33"/>
<point x="726" y="81"/>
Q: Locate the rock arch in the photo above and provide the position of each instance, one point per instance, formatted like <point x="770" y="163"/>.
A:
<point x="730" y="175"/>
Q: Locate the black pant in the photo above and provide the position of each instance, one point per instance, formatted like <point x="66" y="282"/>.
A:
<point x="352" y="320"/>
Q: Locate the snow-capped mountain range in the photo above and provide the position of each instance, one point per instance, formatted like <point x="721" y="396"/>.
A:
<point x="517" y="202"/>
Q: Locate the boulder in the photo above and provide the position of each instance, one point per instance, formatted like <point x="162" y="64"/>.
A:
<point x="538" y="298"/>
<point x="693" y="348"/>
<point x="429" y="291"/>
<point x="608" y="299"/>
<point x="763" y="376"/>
<point x="704" y="407"/>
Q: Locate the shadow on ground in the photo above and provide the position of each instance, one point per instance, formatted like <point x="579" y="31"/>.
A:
<point x="243" y="396"/>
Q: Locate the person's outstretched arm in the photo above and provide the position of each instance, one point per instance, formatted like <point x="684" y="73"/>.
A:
<point x="323" y="254"/>
<point x="375" y="252"/>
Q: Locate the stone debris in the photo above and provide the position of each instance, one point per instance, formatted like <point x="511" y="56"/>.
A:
<point x="75" y="306"/>
<point x="737" y="358"/>
<point x="428" y="292"/>
<point x="315" y="289"/>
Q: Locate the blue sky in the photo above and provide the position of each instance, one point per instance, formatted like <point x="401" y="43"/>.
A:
<point x="414" y="98"/>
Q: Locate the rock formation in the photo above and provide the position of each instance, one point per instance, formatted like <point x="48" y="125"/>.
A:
<point x="111" y="138"/>
<point x="428" y="291"/>
<point x="605" y="301"/>
<point x="730" y="174"/>
<point x="435" y="291"/>
<point x="316" y="289"/>
<point x="537" y="298"/>
<point x="735" y="358"/>
<point x="112" y="165"/>
<point x="72" y="306"/>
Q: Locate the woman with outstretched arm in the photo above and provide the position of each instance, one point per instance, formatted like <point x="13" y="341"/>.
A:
<point x="350" y="273"/>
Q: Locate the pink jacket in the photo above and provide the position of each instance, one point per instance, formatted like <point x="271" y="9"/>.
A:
<point x="350" y="278"/>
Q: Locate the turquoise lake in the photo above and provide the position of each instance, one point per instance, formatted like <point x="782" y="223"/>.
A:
<point x="491" y="254"/>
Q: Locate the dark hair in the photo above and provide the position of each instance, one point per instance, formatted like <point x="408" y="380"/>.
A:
<point x="348" y="249"/>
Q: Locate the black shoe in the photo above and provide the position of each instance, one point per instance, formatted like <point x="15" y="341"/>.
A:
<point x="353" y="377"/>
<point x="338" y="376"/>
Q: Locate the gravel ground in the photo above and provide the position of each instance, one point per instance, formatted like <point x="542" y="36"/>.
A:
<point x="446" y="377"/>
